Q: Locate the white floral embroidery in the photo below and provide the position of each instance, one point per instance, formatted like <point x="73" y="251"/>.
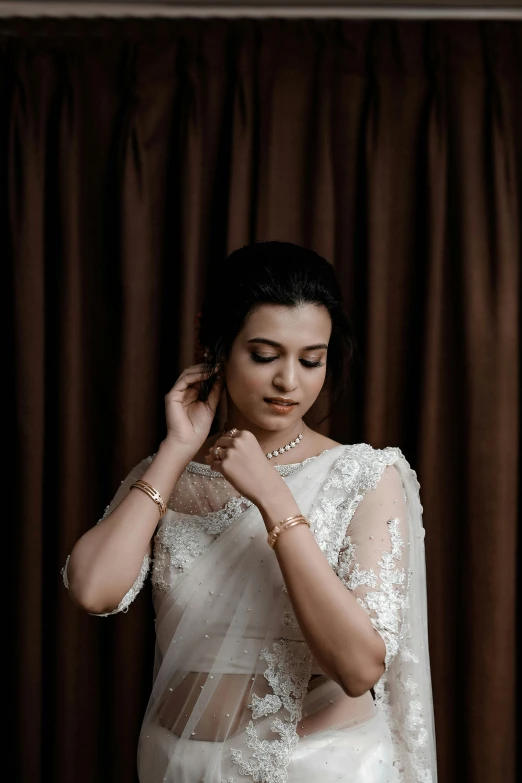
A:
<point x="353" y="474"/>
<point x="265" y="706"/>
<point x="270" y="758"/>
<point x="410" y="685"/>
<point x="385" y="605"/>
<point x="288" y="673"/>
<point x="179" y="541"/>
<point x="356" y="472"/>
<point x="346" y="558"/>
<point x="358" y="578"/>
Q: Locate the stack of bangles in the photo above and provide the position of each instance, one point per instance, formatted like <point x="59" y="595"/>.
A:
<point x="274" y="534"/>
<point x="153" y="495"/>
<point x="285" y="524"/>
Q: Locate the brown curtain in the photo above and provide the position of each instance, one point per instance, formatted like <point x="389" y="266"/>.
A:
<point x="133" y="156"/>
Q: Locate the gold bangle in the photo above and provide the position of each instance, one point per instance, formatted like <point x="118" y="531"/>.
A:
<point x="272" y="536"/>
<point x="285" y="524"/>
<point x="153" y="494"/>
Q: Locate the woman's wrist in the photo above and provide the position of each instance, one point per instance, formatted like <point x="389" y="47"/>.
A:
<point x="180" y="453"/>
<point x="276" y="504"/>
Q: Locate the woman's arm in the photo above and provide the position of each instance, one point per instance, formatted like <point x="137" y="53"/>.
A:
<point x="337" y="629"/>
<point x="106" y="560"/>
<point x="349" y="631"/>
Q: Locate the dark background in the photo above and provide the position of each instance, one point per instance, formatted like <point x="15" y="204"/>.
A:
<point x="133" y="157"/>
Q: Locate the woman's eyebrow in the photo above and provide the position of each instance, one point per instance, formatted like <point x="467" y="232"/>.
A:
<point x="265" y="341"/>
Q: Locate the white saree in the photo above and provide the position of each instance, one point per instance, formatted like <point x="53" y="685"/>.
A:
<point x="237" y="695"/>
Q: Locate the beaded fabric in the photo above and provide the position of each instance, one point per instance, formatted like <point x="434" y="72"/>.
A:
<point x="232" y="681"/>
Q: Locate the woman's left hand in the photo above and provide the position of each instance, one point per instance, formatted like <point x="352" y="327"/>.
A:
<point x="240" y="459"/>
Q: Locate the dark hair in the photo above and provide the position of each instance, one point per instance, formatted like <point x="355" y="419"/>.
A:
<point x="273" y="273"/>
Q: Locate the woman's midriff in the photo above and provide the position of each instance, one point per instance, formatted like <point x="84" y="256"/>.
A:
<point x="227" y="710"/>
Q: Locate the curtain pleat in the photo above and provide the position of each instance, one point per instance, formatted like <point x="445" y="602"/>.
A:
<point x="134" y="156"/>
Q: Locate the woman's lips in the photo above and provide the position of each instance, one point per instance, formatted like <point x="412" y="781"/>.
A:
<point x="280" y="407"/>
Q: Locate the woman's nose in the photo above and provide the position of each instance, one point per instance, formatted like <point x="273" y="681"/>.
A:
<point x="286" y="377"/>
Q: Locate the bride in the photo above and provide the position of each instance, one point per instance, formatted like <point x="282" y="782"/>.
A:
<point x="288" y="570"/>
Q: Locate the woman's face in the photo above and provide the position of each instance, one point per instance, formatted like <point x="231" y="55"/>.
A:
<point x="277" y="365"/>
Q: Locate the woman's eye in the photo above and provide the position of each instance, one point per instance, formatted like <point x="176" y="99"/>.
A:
<point x="257" y="357"/>
<point x="263" y="359"/>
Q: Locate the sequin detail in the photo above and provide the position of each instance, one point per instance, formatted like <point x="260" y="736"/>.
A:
<point x="283" y="470"/>
<point x="290" y="621"/>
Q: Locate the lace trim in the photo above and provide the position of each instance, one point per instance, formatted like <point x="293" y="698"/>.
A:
<point x="283" y="470"/>
<point x="288" y="673"/>
<point x="129" y="596"/>
<point x="415" y="734"/>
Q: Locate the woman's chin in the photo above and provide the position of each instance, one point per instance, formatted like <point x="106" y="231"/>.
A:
<point x="269" y="421"/>
<point x="276" y="422"/>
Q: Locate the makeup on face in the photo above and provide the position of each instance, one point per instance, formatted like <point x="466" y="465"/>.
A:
<point x="277" y="365"/>
<point x="281" y="405"/>
<point x="267" y="358"/>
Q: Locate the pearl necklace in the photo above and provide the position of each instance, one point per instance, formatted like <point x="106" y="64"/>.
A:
<point x="291" y="445"/>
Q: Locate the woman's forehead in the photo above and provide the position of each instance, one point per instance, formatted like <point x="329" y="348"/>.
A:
<point x="299" y="326"/>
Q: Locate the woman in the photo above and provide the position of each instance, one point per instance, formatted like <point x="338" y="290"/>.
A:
<point x="287" y="569"/>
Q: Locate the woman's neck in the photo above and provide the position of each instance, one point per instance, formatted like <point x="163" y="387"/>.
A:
<point x="268" y="439"/>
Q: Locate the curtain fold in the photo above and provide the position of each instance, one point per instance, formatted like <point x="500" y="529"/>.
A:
<point x="134" y="156"/>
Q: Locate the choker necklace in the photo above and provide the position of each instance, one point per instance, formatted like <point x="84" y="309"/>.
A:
<point x="291" y="445"/>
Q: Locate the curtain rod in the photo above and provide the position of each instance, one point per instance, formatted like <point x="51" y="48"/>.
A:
<point x="258" y="10"/>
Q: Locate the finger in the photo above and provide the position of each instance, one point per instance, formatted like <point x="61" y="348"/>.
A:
<point x="194" y="368"/>
<point x="215" y="464"/>
<point x="225" y="441"/>
<point x="188" y="379"/>
<point x="216" y="449"/>
<point x="213" y="459"/>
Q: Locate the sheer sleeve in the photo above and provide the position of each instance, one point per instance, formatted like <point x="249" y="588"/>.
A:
<point x="135" y="474"/>
<point x="373" y="559"/>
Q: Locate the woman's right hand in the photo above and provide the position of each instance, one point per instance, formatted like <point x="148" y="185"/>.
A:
<point x="188" y="418"/>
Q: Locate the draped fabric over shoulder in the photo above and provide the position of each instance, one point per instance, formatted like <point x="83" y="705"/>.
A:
<point x="237" y="695"/>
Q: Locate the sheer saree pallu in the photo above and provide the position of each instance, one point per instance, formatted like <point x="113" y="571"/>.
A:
<point x="237" y="695"/>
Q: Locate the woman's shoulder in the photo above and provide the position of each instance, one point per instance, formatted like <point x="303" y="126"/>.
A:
<point x="366" y="454"/>
<point x="359" y="467"/>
